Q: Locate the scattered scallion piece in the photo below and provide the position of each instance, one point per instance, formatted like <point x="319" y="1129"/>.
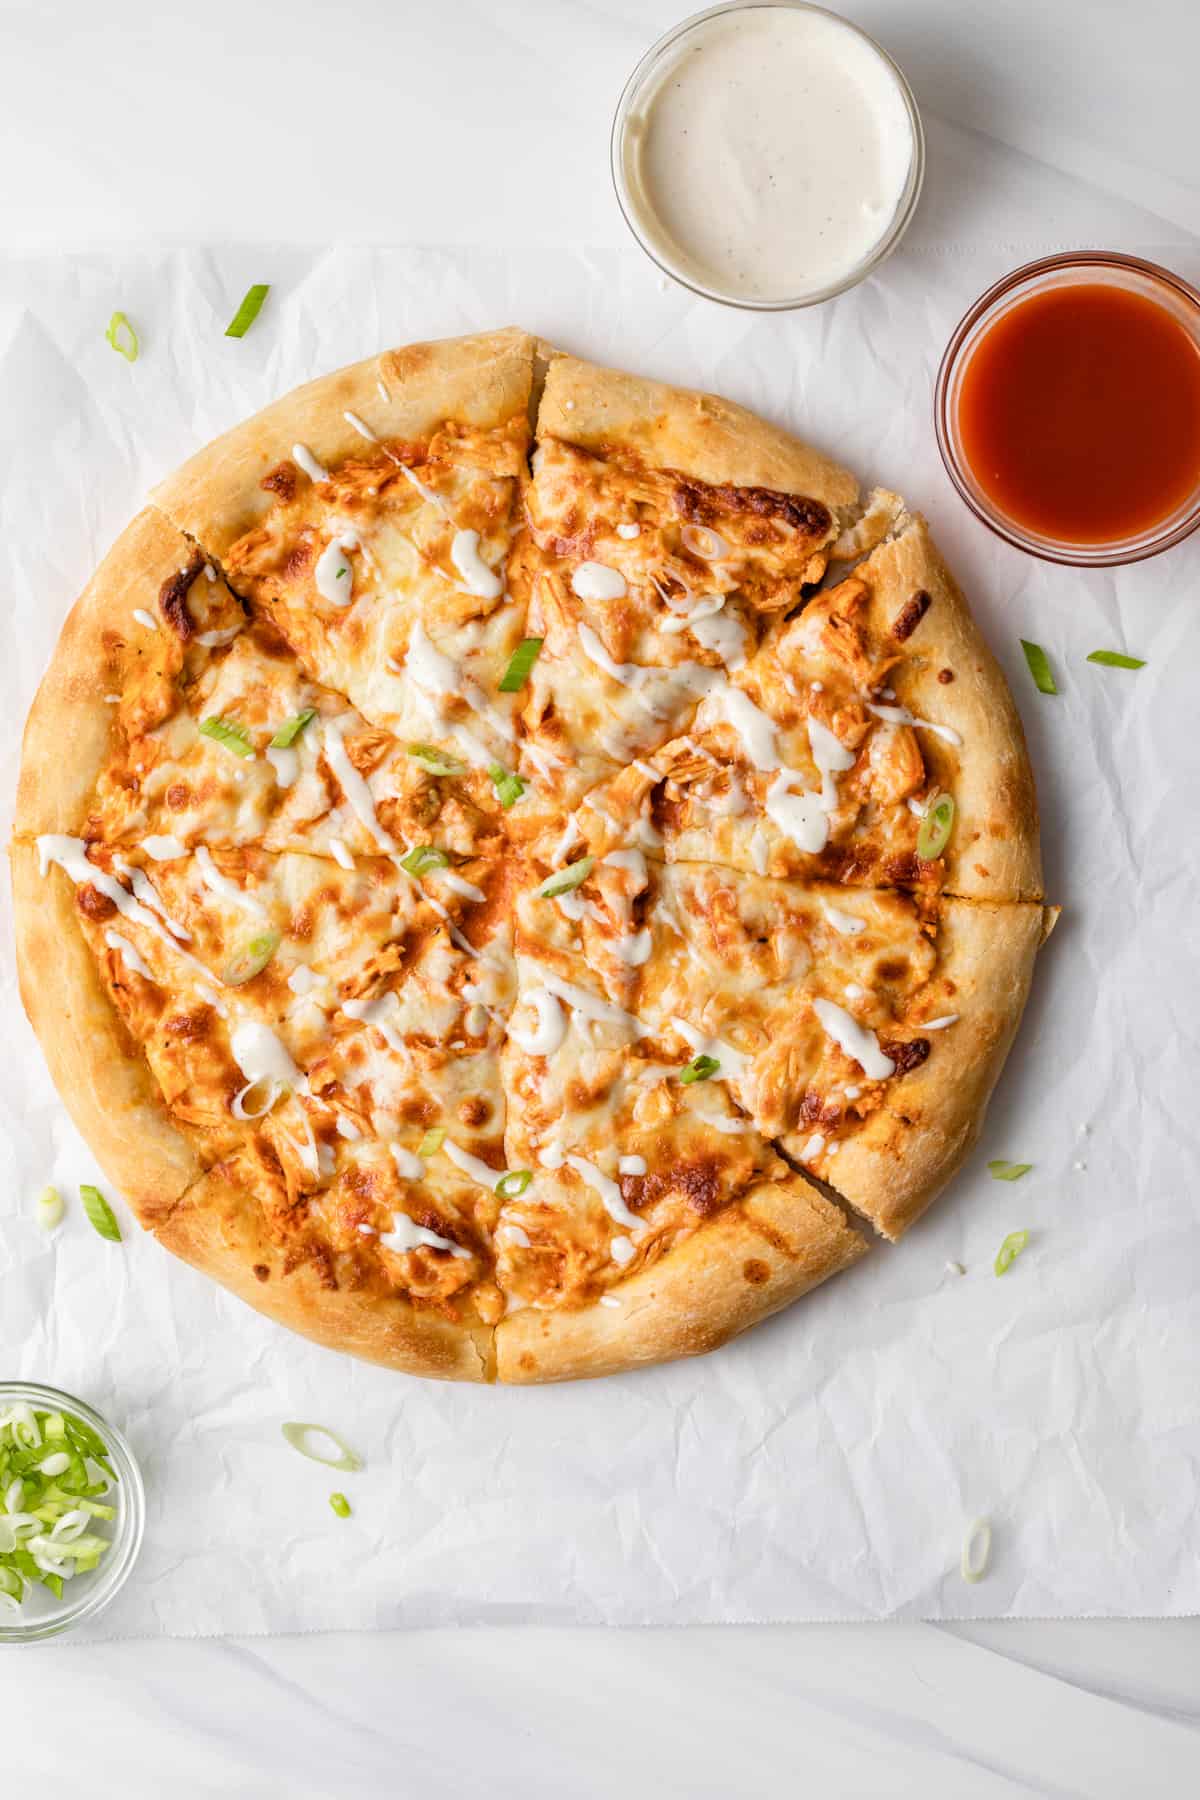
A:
<point x="571" y="877"/>
<point x="346" y="1458"/>
<point x="1114" y="659"/>
<point x="423" y="857"/>
<point x="1003" y="1170"/>
<point x="699" y="1069"/>
<point x="976" y="1550"/>
<point x="520" y="663"/>
<point x="515" y="1182"/>
<point x="50" y="1208"/>
<point x="248" y="311"/>
<point x="122" y="337"/>
<point x="436" y="762"/>
<point x="509" y="787"/>
<point x="227" y="732"/>
<point x="1039" y="667"/>
<point x="432" y="1142"/>
<point x="54" y="1471"/>
<point x="251" y="959"/>
<point x="340" y="1505"/>
<point x="1010" y="1249"/>
<point x="291" y="728"/>
<point x="100" y="1214"/>
<point x="936" y="826"/>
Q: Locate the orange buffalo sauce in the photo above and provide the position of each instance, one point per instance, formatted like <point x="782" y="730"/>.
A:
<point x="1079" y="413"/>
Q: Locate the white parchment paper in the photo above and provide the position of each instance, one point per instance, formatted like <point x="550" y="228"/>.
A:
<point x="825" y="1466"/>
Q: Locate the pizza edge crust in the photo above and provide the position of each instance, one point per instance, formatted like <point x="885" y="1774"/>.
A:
<point x="749" y="1261"/>
<point x="102" y="1077"/>
<point x="991" y="777"/>
<point x="893" y="1169"/>
<point x="218" y="1229"/>
<point x="70" y="730"/>
<point x="484" y="380"/>
<point x="699" y="434"/>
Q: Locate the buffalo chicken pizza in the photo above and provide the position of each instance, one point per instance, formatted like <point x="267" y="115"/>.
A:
<point x="522" y="871"/>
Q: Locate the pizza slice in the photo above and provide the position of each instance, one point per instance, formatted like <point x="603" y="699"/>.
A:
<point x="370" y="517"/>
<point x="643" y="1217"/>
<point x="870" y="741"/>
<point x="665" y="530"/>
<point x="861" y="1029"/>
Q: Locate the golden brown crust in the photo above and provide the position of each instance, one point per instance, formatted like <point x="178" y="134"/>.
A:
<point x="745" y="1264"/>
<point x="70" y="731"/>
<point x="904" y="1155"/>
<point x="701" y="435"/>
<point x="480" y="381"/>
<point x="220" y="1229"/>
<point x="950" y="676"/>
<point x="97" y="1068"/>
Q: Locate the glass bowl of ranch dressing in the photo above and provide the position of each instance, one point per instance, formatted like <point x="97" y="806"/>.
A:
<point x="767" y="154"/>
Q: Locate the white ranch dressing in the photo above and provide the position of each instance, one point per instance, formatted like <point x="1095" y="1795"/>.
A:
<point x="769" y="154"/>
<point x="127" y="954"/>
<point x="408" y="1164"/>
<point x="340" y="854"/>
<point x="304" y="459"/>
<point x="843" y="922"/>
<point x="550" y="1026"/>
<point x="145" y="618"/>
<point x="477" y="576"/>
<point x="358" y="794"/>
<point x="334" y="573"/>
<point x="472" y="1166"/>
<point x="260" y="1056"/>
<point x="611" y="1197"/>
<point x="900" y="715"/>
<point x="407" y="1235"/>
<point x="376" y="1014"/>
<point x="861" y="1045"/>
<point x="596" y="581"/>
<point x="163" y="848"/>
<point x="286" y="763"/>
<point x="223" y="887"/>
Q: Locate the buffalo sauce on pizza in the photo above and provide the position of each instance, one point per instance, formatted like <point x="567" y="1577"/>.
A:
<point x="1079" y="413"/>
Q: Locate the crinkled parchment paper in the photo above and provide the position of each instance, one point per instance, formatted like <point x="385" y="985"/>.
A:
<point x="825" y="1466"/>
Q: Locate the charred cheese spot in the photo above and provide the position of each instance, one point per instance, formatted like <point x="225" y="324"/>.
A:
<point x="282" y="481"/>
<point x="179" y="796"/>
<point x="907" y="1055"/>
<point x="910" y="615"/>
<point x="261" y="1272"/>
<point x="94" y="905"/>
<point x="475" y="1110"/>
<point x="892" y="968"/>
<point x="756" y="1272"/>
<point x="945" y="675"/>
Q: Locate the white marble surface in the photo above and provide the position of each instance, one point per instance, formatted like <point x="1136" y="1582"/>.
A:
<point x="395" y="122"/>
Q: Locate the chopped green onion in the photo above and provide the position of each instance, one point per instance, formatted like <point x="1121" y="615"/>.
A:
<point x="977" y="1548"/>
<point x="1010" y="1249"/>
<point x="423" y="857"/>
<point x="1113" y="659"/>
<point x="249" y="310"/>
<point x="509" y="787"/>
<point x="50" y="1208"/>
<point x="432" y="1142"/>
<point x="514" y="1183"/>
<point x="291" y="728"/>
<point x="340" y="1505"/>
<point x="436" y="762"/>
<point x="699" y="1069"/>
<point x="1039" y="667"/>
<point x="936" y="826"/>
<point x="1001" y="1170"/>
<point x="48" y="1483"/>
<point x="251" y="959"/>
<point x="100" y="1213"/>
<point x="122" y="337"/>
<point x="571" y="877"/>
<point x="520" y="663"/>
<point x="228" y="732"/>
<point x="297" y="1437"/>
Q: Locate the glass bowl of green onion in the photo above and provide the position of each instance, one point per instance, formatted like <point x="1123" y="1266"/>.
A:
<point x="72" y="1512"/>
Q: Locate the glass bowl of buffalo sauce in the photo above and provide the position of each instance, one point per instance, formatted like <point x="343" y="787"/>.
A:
<point x="1068" y="408"/>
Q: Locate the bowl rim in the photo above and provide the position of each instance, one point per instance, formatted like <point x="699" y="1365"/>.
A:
<point x="115" y="1568"/>
<point x="1110" y="553"/>
<point x="905" y="208"/>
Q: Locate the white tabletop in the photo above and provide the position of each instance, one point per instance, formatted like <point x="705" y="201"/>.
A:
<point x="468" y="123"/>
